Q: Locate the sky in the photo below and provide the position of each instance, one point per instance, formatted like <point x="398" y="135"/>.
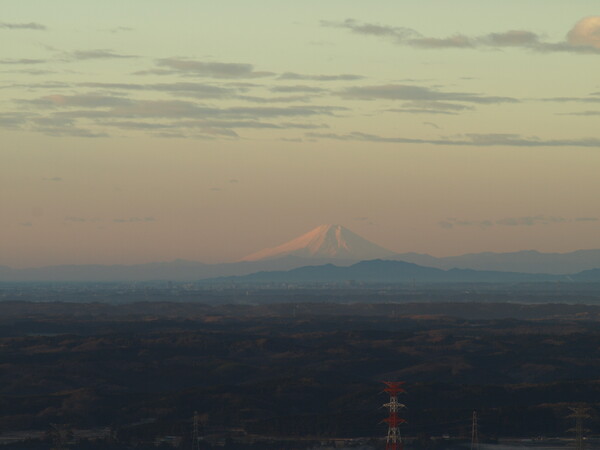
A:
<point x="148" y="130"/>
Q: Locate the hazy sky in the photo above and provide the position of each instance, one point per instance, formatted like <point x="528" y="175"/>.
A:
<point x="147" y="130"/>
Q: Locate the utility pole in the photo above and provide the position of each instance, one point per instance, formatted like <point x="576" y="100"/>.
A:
<point x="394" y="439"/>
<point x="579" y="414"/>
<point x="474" y="433"/>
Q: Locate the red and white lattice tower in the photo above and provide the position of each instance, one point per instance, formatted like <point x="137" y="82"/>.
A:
<point x="394" y="440"/>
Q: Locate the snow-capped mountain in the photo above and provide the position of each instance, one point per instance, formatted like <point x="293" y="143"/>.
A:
<point x="325" y="242"/>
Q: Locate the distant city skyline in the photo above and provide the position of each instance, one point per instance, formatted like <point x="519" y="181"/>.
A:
<point x="150" y="131"/>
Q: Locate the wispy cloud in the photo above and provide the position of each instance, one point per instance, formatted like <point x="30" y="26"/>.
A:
<point x="120" y="29"/>
<point x="300" y="76"/>
<point x="279" y="99"/>
<point x="23" y="26"/>
<point x="196" y="90"/>
<point x="82" y="55"/>
<point x="125" y="108"/>
<point x="211" y="91"/>
<point x="420" y="93"/>
<point x="581" y="113"/>
<point x="525" y="221"/>
<point x="584" y="37"/>
<point x="62" y="126"/>
<point x="75" y="219"/>
<point x="22" y="61"/>
<point x="13" y="120"/>
<point x="81" y="114"/>
<point x="589" y="99"/>
<point x="297" y="88"/>
<point x="479" y="140"/>
<point x="134" y="220"/>
<point x="78" y="101"/>
<point x="197" y="68"/>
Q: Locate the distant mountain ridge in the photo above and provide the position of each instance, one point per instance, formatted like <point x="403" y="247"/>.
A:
<point x="528" y="261"/>
<point x="381" y="271"/>
<point x="333" y="244"/>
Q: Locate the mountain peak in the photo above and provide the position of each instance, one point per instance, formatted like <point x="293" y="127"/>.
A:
<point x="325" y="241"/>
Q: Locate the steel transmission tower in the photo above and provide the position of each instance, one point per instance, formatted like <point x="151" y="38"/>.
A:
<point x="474" y="433"/>
<point x="394" y="439"/>
<point x="196" y="432"/>
<point x="579" y="414"/>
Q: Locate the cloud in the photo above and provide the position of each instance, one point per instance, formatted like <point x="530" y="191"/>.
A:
<point x="453" y="222"/>
<point x="75" y="219"/>
<point x="479" y="140"/>
<point x="168" y="117"/>
<point x="297" y="88"/>
<point x="31" y="72"/>
<point x="203" y="90"/>
<point x="31" y="86"/>
<point x="526" y="221"/>
<point x="185" y="109"/>
<point x="283" y="99"/>
<point x="13" y="120"/>
<point x="196" y="90"/>
<point x="82" y="55"/>
<point x="61" y="126"/>
<point x="398" y="34"/>
<point x="514" y="38"/>
<point x="79" y="100"/>
<point x="420" y="111"/>
<point x="584" y="37"/>
<point x="581" y="113"/>
<point x="455" y="41"/>
<point x="530" y="221"/>
<point x="419" y="93"/>
<point x="120" y="29"/>
<point x="209" y="69"/>
<point x="431" y="107"/>
<point x="590" y="99"/>
<point x="133" y="125"/>
<point x="299" y="76"/>
<point x="22" y="61"/>
<point x="22" y="26"/>
<point x="135" y="220"/>
<point x="585" y="33"/>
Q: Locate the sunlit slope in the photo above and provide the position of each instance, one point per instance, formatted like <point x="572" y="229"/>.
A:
<point x="325" y="241"/>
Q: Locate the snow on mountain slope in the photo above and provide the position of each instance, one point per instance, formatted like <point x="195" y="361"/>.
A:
<point x="325" y="241"/>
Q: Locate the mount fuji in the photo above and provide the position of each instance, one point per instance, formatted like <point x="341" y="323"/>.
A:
<point x="326" y="242"/>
